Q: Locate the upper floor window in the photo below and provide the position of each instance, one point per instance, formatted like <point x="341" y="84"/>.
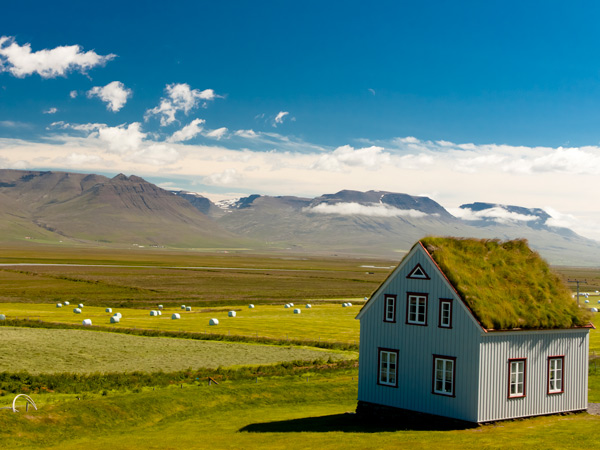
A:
<point x="445" y="313"/>
<point x="389" y="314"/>
<point x="418" y="273"/>
<point x="517" y="377"/>
<point x="555" y="374"/>
<point x="416" y="309"/>
<point x="443" y="375"/>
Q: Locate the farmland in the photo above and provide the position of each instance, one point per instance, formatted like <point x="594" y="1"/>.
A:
<point x="133" y="391"/>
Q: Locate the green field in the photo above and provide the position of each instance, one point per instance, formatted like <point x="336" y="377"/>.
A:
<point x="322" y="322"/>
<point x="38" y="350"/>
<point x="278" y="413"/>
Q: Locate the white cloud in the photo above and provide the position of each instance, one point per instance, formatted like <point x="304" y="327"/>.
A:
<point x="121" y="139"/>
<point x="51" y="111"/>
<point x="372" y="91"/>
<point x="73" y="94"/>
<point x="180" y="97"/>
<point x="188" y="132"/>
<point x="226" y="178"/>
<point x="497" y="213"/>
<point x="248" y="134"/>
<point x="114" y="94"/>
<point x="372" y="210"/>
<point x="347" y="156"/>
<point x="78" y="160"/>
<point x="20" y="61"/>
<point x="159" y="155"/>
<point x="216" y="134"/>
<point x="279" y="117"/>
<point x="558" y="219"/>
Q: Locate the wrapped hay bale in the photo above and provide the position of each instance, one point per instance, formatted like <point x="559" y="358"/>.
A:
<point x="59" y="305"/>
<point x="77" y="311"/>
<point x="154" y="313"/>
<point x="87" y="322"/>
<point x="213" y="322"/>
<point x="108" y="310"/>
<point x="2" y="317"/>
<point x="80" y="305"/>
<point x="308" y="306"/>
<point x="160" y="306"/>
<point x="66" y="303"/>
<point x="115" y="319"/>
<point x="183" y="307"/>
<point x="297" y="311"/>
<point x="188" y="308"/>
<point x="287" y="305"/>
<point x="251" y="306"/>
<point x="119" y="315"/>
<point x="175" y="316"/>
<point x="231" y="313"/>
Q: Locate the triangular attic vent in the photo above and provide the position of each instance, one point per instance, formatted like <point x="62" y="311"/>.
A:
<point x="418" y="273"/>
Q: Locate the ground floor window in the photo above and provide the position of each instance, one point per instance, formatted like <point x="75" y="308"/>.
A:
<point x="388" y="367"/>
<point x="555" y="374"/>
<point x="516" y="382"/>
<point x="443" y="375"/>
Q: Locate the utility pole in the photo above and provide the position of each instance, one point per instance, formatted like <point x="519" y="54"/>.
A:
<point x="578" y="283"/>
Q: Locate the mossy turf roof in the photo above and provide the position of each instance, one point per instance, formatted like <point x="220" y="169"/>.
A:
<point x="506" y="284"/>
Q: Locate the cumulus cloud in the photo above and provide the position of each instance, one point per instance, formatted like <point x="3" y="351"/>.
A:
<point x="248" y="134"/>
<point x="122" y="138"/>
<point x="497" y="214"/>
<point x="155" y="154"/>
<point x="279" y="117"/>
<point x="50" y="111"/>
<point x="558" y="219"/>
<point x="225" y="178"/>
<point x="20" y="61"/>
<point x="216" y="134"/>
<point x="114" y="94"/>
<point x="357" y="209"/>
<point x="73" y="94"/>
<point x="78" y="160"/>
<point x="179" y="97"/>
<point x="347" y="156"/>
<point x="188" y="132"/>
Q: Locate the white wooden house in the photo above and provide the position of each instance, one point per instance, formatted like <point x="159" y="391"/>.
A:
<point x="430" y="346"/>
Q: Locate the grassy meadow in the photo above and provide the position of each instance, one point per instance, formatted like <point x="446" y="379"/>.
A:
<point x="137" y="392"/>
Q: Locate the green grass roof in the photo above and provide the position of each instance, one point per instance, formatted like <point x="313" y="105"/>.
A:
<point x="506" y="284"/>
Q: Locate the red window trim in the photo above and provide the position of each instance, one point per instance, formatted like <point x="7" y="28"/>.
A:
<point x="453" y="358"/>
<point x="562" y="384"/>
<point x="524" y="394"/>
<point x="420" y="294"/>
<point x="385" y="297"/>
<point x="391" y="350"/>
<point x="445" y="300"/>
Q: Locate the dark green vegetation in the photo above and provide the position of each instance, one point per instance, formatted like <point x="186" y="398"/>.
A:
<point x="506" y="284"/>
<point x="154" y="277"/>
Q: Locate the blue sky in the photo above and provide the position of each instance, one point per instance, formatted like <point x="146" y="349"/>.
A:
<point x="459" y="101"/>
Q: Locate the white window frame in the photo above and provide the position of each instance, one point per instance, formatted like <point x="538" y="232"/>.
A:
<point x="517" y="377"/>
<point x="387" y="372"/>
<point x="445" y="315"/>
<point x="416" y="308"/>
<point x="389" y="304"/>
<point x="556" y="371"/>
<point x="444" y="374"/>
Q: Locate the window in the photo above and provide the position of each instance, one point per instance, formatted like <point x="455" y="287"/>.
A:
<point x="445" y="313"/>
<point x="516" y="382"/>
<point x="443" y="375"/>
<point x="389" y="315"/>
<point x="416" y="309"/>
<point x="418" y="273"/>
<point x="388" y="367"/>
<point x="555" y="374"/>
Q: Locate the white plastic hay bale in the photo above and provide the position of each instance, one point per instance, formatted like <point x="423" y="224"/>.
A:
<point x="159" y="312"/>
<point x="160" y="306"/>
<point x="115" y="319"/>
<point x="587" y="301"/>
<point x="366" y="298"/>
<point x="2" y="317"/>
<point x="231" y="314"/>
<point x="188" y="308"/>
<point x="87" y="322"/>
<point x="77" y="311"/>
<point x="344" y="305"/>
<point x="154" y="313"/>
<point x="308" y="306"/>
<point x="183" y="307"/>
<point x="59" y="305"/>
<point x="251" y="306"/>
<point x="594" y="309"/>
<point x="287" y="305"/>
<point x="297" y="311"/>
<point x="291" y="304"/>
<point x="175" y="316"/>
<point x="213" y="322"/>
<point x="119" y="315"/>
<point x="66" y="303"/>
<point x="348" y="304"/>
<point x="80" y="305"/>
<point x="108" y="310"/>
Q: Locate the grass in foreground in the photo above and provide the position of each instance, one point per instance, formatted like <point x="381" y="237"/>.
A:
<point x="278" y="412"/>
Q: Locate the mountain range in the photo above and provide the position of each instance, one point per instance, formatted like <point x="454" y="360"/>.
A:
<point x="127" y="210"/>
